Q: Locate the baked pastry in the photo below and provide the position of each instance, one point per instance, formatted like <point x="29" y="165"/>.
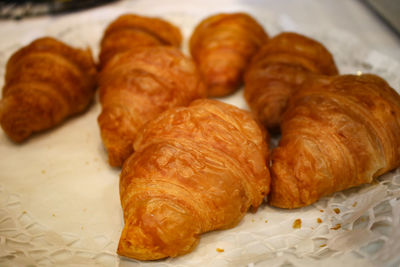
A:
<point x="337" y="132"/>
<point x="136" y="86"/>
<point x="195" y="169"/>
<point x="45" y="82"/>
<point x="278" y="69"/>
<point x="222" y="46"/>
<point x="130" y="30"/>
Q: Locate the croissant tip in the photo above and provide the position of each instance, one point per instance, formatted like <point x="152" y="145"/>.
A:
<point x="128" y="249"/>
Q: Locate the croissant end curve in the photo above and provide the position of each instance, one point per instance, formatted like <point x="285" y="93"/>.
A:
<point x="337" y="132"/>
<point x="276" y="71"/>
<point x="222" y="46"/>
<point x="195" y="169"/>
<point x="137" y="85"/>
<point x="45" y="82"/>
<point x="131" y="30"/>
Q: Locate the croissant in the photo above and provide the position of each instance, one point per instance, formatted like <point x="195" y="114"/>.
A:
<point x="130" y="30"/>
<point x="278" y="69"/>
<point x="45" y="82"/>
<point x="222" y="45"/>
<point x="195" y="169"/>
<point x="136" y="86"/>
<point x="337" y="132"/>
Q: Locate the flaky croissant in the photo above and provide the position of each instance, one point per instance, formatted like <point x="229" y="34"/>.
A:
<point x="195" y="169"/>
<point x="45" y="82"/>
<point x="278" y="69"/>
<point x="337" y="132"/>
<point x="136" y="86"/>
<point x="130" y="30"/>
<point x="222" y="46"/>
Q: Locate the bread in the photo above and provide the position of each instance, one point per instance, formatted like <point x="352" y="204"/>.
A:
<point x="131" y="30"/>
<point x="45" y="82"/>
<point x="222" y="46"/>
<point x="337" y="132"/>
<point x="136" y="86"/>
<point x="195" y="169"/>
<point x="280" y="66"/>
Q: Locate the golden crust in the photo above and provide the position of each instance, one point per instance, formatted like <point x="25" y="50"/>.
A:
<point x="130" y="30"/>
<point x="280" y="66"/>
<point x="45" y="82"/>
<point x="222" y="46"/>
<point x="195" y="169"/>
<point x="337" y="132"/>
<point x="137" y="85"/>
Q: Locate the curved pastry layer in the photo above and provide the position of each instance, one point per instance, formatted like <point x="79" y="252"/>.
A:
<point x="222" y="46"/>
<point x="337" y="132"/>
<point x="129" y="31"/>
<point x="278" y="69"/>
<point x="136" y="86"/>
<point x="195" y="169"/>
<point x="45" y="82"/>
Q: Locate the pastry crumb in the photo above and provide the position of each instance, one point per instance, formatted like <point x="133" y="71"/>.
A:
<point x="297" y="224"/>
<point x="252" y="220"/>
<point x="355" y="203"/>
<point x="220" y="250"/>
<point x="336" y="210"/>
<point x="266" y="221"/>
<point x="321" y="210"/>
<point x="337" y="227"/>
<point x="53" y="215"/>
<point x="319" y="220"/>
<point x="323" y="245"/>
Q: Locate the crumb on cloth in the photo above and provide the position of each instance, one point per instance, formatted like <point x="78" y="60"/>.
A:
<point x="297" y="224"/>
<point x="336" y="210"/>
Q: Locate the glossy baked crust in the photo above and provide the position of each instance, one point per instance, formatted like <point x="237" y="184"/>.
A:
<point x="45" y="82"/>
<point x="195" y="169"/>
<point x="130" y="30"/>
<point x="136" y="86"/>
<point x="222" y="46"/>
<point x="278" y="69"/>
<point x="337" y="132"/>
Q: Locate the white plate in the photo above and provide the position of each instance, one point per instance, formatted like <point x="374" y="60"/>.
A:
<point x="59" y="200"/>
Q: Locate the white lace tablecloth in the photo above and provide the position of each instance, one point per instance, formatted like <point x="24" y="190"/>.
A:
<point x="59" y="200"/>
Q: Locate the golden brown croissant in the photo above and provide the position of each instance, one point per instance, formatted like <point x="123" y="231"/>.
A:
<point x="136" y="86"/>
<point x="337" y="132"/>
<point x="130" y="30"/>
<point x="278" y="69"/>
<point x="195" y="169"/>
<point x="222" y="45"/>
<point x="45" y="82"/>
